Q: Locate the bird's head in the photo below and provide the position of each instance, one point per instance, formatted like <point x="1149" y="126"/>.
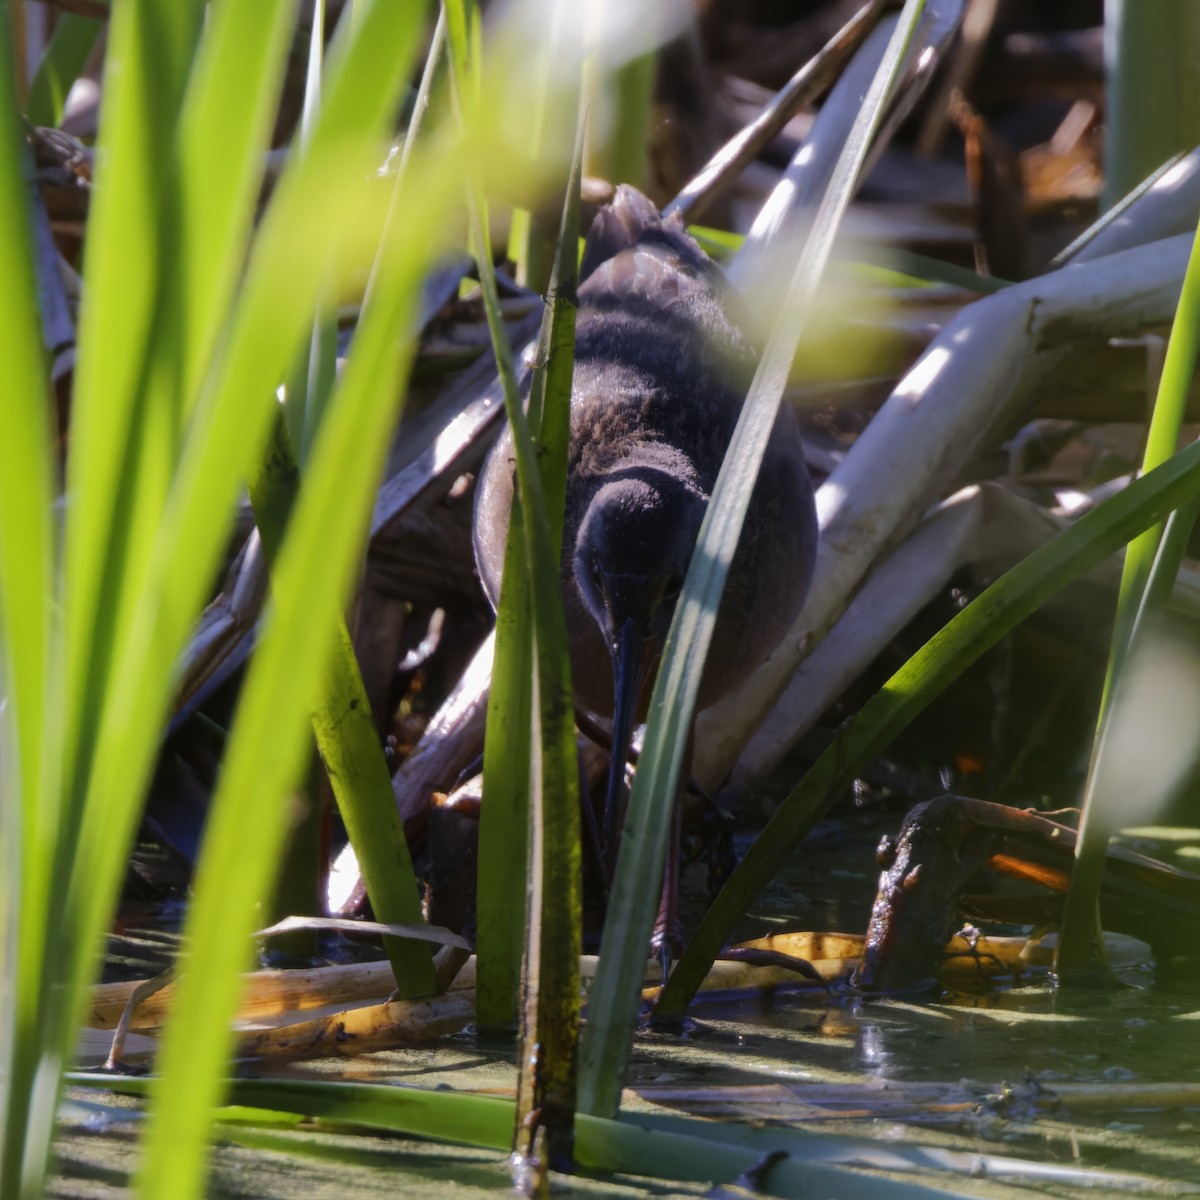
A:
<point x="631" y="554"/>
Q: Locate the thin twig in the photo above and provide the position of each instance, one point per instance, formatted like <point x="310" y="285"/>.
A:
<point x="808" y="82"/>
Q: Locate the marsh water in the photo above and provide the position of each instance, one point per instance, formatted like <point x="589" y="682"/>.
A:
<point x="976" y="1076"/>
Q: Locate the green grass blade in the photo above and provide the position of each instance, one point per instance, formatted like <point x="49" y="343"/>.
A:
<point x="616" y="996"/>
<point x="550" y="388"/>
<point x="1172" y="549"/>
<point x="26" y="488"/>
<point x="620" y="153"/>
<point x="273" y="315"/>
<point x="1152" y="112"/>
<point x="939" y="662"/>
<point x="265" y="752"/>
<point x="550" y="1024"/>
<point x="349" y="744"/>
<point x="28" y="813"/>
<point x="121" y="454"/>
<point x="1162" y="439"/>
<point x="313" y="380"/>
<point x="552" y="963"/>
<point x="225" y="126"/>
<point x="1078" y="942"/>
<point x="504" y="819"/>
<point x="306" y="392"/>
<point x="890" y="267"/>
<point x="273" y="312"/>
<point x="120" y="461"/>
<point x="533" y="236"/>
<point x="501" y="895"/>
<point x="686" y="1153"/>
<point x="935" y="271"/>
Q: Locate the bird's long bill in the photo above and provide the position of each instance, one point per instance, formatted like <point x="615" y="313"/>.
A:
<point x="628" y="657"/>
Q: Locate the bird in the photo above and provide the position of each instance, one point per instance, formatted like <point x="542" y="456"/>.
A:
<point x="662" y="368"/>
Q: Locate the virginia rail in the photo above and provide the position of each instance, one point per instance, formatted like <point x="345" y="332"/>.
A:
<point x="661" y="371"/>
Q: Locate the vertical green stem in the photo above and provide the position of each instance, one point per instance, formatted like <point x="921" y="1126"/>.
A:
<point x="1079" y="942"/>
<point x="1153" y="103"/>
<point x="349" y="745"/>
<point x="619" y="153"/>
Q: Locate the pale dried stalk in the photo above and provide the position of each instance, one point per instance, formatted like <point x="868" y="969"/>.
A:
<point x="983" y="371"/>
